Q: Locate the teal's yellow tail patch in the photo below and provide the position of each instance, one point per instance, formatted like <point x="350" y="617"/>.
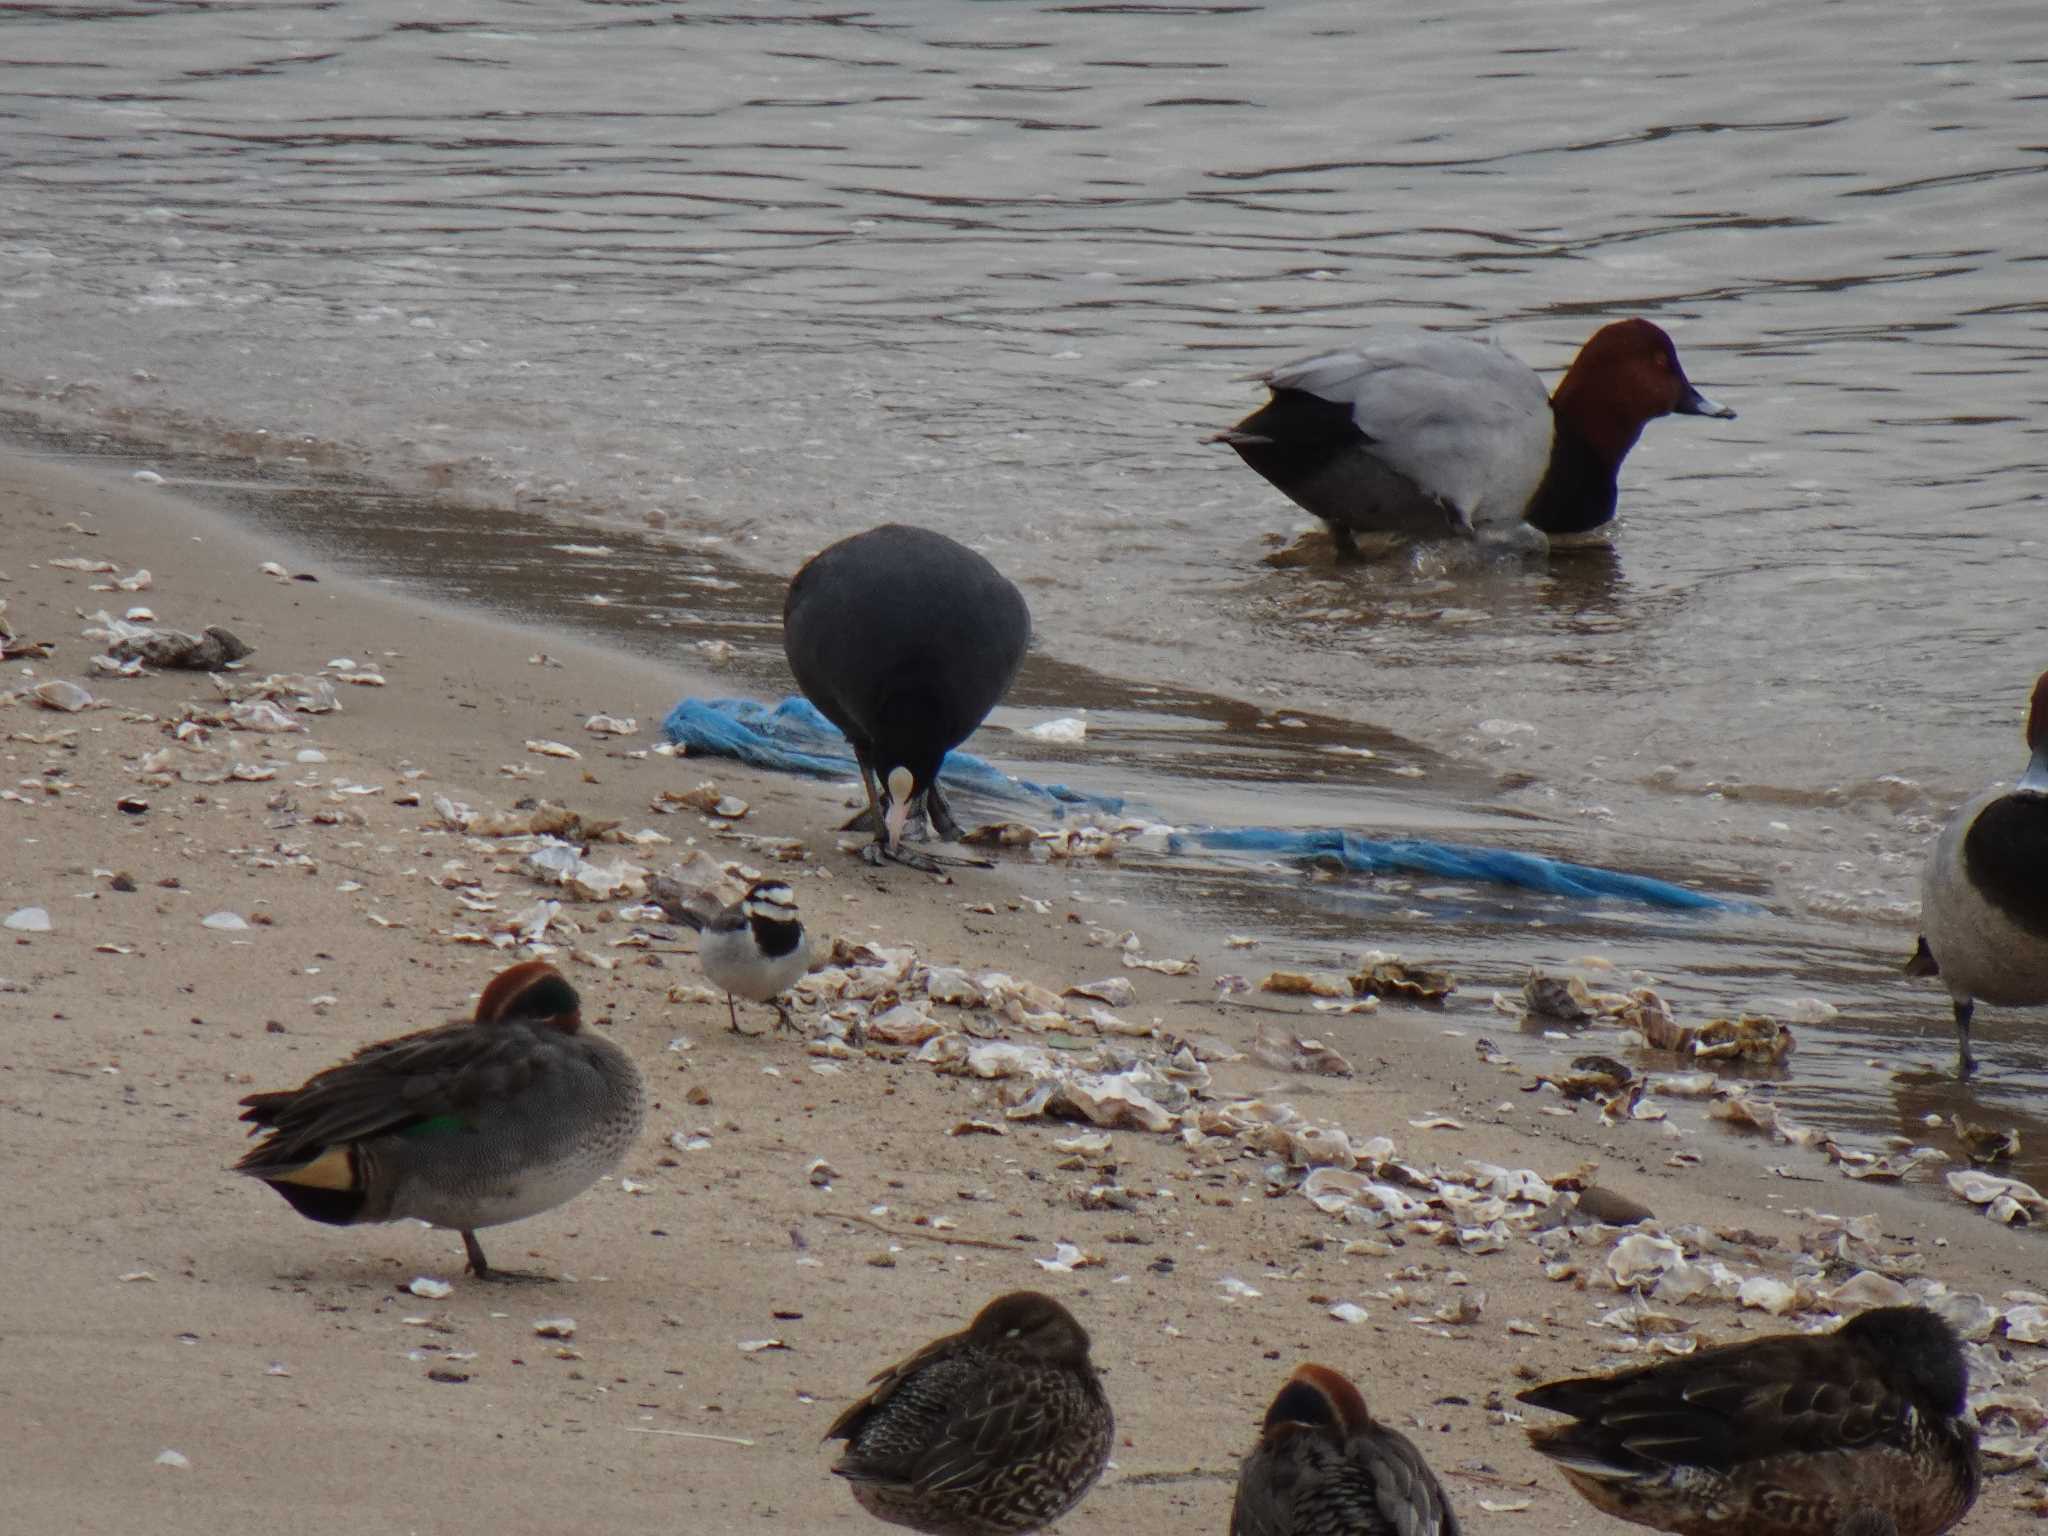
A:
<point x="332" y="1169"/>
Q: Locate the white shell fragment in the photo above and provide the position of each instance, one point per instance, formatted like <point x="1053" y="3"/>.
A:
<point x="1066" y="1258"/>
<point x="2027" y="1324"/>
<point x="1066" y="731"/>
<point x="304" y="692"/>
<point x="1116" y="991"/>
<point x="433" y="1290"/>
<point x="564" y="864"/>
<point x="60" y="695"/>
<point x="1769" y="1294"/>
<point x="1289" y="1052"/>
<point x="226" y="922"/>
<point x="2007" y="1201"/>
<point x="1641" y="1256"/>
<point x="28" y="920"/>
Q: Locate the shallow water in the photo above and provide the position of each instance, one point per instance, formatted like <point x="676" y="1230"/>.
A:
<point x="745" y="281"/>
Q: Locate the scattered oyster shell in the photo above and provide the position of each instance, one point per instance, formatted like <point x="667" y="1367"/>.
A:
<point x="1751" y="1038"/>
<point x="950" y="984"/>
<point x="58" y="694"/>
<point x="1591" y="1077"/>
<point x="309" y="694"/>
<point x="705" y="797"/>
<point x="1867" y="1288"/>
<point x="1642" y="1256"/>
<point x="1289" y="1052"/>
<point x="1984" y="1145"/>
<point x="543" y="817"/>
<point x="1066" y="1258"/>
<point x="1306" y="984"/>
<point x="2008" y="1201"/>
<point x="563" y="864"/>
<point x="1643" y="1010"/>
<point x="1116" y="991"/>
<point x="2027" y="1324"/>
<point x="1000" y="834"/>
<point x="1067" y="731"/>
<point x="1564" y="998"/>
<point x="1386" y="976"/>
<point x="262" y="717"/>
<point x="905" y="1024"/>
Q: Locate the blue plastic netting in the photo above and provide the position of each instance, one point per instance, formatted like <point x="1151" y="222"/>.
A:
<point x="792" y="737"/>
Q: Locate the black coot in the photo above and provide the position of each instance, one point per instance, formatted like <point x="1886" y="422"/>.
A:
<point x="905" y="640"/>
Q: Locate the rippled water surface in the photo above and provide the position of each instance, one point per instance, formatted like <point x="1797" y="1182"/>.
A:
<point x="746" y="279"/>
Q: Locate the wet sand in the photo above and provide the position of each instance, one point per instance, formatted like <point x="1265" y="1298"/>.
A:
<point x="160" y="1303"/>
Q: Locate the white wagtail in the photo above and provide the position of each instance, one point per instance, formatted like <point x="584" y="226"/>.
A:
<point x="754" y="949"/>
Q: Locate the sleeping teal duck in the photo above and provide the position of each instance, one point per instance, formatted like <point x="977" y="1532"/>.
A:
<point x="1325" y="1467"/>
<point x="468" y="1125"/>
<point x="1793" y="1435"/>
<point x="993" y="1431"/>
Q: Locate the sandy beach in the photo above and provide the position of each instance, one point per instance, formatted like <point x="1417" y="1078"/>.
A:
<point x="159" y="1303"/>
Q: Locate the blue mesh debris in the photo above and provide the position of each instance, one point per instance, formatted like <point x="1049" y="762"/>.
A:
<point x="1453" y="861"/>
<point x="792" y="737"/>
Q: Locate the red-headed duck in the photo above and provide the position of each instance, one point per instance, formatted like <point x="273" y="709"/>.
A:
<point x="1422" y="435"/>
<point x="1323" y="1463"/>
<point x="1791" y="1435"/>
<point x="905" y="640"/>
<point x="993" y="1431"/>
<point x="467" y="1125"/>
<point x="1984" y="896"/>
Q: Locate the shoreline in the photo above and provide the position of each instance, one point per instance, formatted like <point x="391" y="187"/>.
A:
<point x="127" y="1066"/>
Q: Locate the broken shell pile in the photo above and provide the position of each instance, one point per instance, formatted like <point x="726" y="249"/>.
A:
<point x="1064" y="1055"/>
<point x="1087" y="841"/>
<point x="1378" y="975"/>
<point x="1647" y="1016"/>
<point x="1646" y="1022"/>
<point x="552" y="844"/>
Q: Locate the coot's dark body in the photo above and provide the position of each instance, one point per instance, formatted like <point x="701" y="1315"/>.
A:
<point x="905" y="640"/>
